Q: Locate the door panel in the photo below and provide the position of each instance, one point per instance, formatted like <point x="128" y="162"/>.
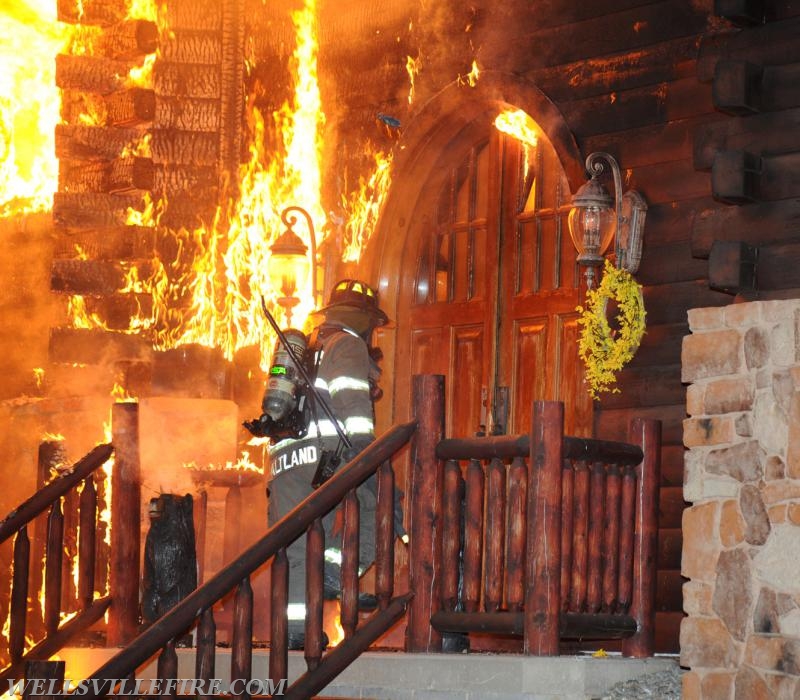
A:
<point x="464" y="396"/>
<point x="496" y="288"/>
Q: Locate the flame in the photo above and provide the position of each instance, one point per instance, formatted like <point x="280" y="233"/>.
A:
<point x="78" y="315"/>
<point x="518" y="124"/>
<point x="470" y="78"/>
<point x="331" y="622"/>
<point x="364" y="207"/>
<point x="29" y="104"/>
<point x="38" y="373"/>
<point x="413" y="67"/>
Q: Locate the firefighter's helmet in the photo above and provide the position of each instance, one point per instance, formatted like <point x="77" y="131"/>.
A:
<point x="353" y="295"/>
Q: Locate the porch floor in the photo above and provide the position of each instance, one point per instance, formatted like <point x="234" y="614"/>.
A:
<point x="400" y="676"/>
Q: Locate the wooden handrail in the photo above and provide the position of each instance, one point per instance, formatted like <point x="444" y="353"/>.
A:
<point x="48" y="494"/>
<point x="293" y="525"/>
<point x="510" y="446"/>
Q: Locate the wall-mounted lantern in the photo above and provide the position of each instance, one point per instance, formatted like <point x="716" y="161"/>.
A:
<point x="289" y="263"/>
<point x="597" y="218"/>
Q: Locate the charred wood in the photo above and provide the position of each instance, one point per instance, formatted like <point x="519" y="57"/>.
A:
<point x="129" y="39"/>
<point x="131" y="174"/>
<point x="187" y="114"/>
<point x="232" y="79"/>
<point x="91" y="73"/>
<point x="195" y="15"/>
<point x="132" y="106"/>
<point x="113" y="243"/>
<point x="186" y="80"/>
<point x="83" y="108"/>
<point x="79" y="176"/>
<point x="86" y="276"/>
<point x="91" y="210"/>
<point x="94" y="346"/>
<point x="95" y="142"/>
<point x="203" y="48"/>
<point x="98" y="12"/>
<point x="196" y="180"/>
<point x="184" y="148"/>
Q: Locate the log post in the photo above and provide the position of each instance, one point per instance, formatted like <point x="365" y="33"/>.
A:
<point x="242" y="642"/>
<point x="86" y="544"/>
<point x="279" y="633"/>
<point x="611" y="541"/>
<point x="315" y="582"/>
<point x="206" y="648"/>
<point x="425" y="547"/>
<point x="580" y="538"/>
<point x="451" y="545"/>
<point x="384" y="536"/>
<point x="52" y="572"/>
<point x="597" y="494"/>
<point x="627" y="527"/>
<point x="567" y="526"/>
<point x="474" y="489"/>
<point x="19" y="595"/>
<point x="167" y="668"/>
<point x="543" y="567"/>
<point x="515" y="558"/>
<point x="50" y="671"/>
<point x="123" y="621"/>
<point x="646" y="434"/>
<point x="495" y="535"/>
<point x="350" y="549"/>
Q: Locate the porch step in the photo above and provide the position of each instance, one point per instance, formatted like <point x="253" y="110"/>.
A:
<point x="399" y="676"/>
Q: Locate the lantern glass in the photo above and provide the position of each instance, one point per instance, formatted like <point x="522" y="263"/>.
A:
<point x="592" y="228"/>
<point x="287" y="270"/>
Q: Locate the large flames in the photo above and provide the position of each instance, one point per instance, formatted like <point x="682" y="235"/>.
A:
<point x="29" y="104"/>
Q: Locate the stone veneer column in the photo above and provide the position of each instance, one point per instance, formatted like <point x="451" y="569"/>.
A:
<point x="741" y="534"/>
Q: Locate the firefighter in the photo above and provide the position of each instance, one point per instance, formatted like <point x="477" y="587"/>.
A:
<point x="345" y="373"/>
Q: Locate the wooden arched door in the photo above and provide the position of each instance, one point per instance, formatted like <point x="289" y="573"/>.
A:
<point x="490" y="301"/>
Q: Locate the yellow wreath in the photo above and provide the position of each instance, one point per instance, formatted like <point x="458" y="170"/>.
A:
<point x="603" y="351"/>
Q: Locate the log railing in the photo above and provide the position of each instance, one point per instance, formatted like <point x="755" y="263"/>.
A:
<point x="305" y="519"/>
<point x="43" y="623"/>
<point x="60" y="550"/>
<point x="564" y="547"/>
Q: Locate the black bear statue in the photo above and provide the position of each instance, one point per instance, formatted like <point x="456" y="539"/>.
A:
<point x="170" y="559"/>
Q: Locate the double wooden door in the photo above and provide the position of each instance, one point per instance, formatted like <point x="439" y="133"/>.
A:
<point x="492" y="303"/>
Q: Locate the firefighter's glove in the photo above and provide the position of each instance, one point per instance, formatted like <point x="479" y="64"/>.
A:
<point x="259" y="427"/>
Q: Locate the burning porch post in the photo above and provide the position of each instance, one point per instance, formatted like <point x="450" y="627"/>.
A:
<point x="123" y="623"/>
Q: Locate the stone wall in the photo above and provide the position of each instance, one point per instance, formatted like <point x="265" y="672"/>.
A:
<point x="741" y="533"/>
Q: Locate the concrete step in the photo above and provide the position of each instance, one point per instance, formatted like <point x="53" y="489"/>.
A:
<point x="400" y="676"/>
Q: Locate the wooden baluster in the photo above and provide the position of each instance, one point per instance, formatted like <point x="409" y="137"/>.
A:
<point x="51" y="455"/>
<point x="19" y="595"/>
<point x="580" y="538"/>
<point x="495" y="535"/>
<point x="567" y="527"/>
<point x="69" y="556"/>
<point x="596" y="509"/>
<point x="86" y="544"/>
<point x="102" y="557"/>
<point x="473" y="535"/>
<point x="543" y="566"/>
<point x="517" y="504"/>
<point x="52" y="675"/>
<point x="167" y="669"/>
<point x="611" y="538"/>
<point x="647" y="434"/>
<point x="52" y="571"/>
<point x="451" y="533"/>
<point x="315" y="557"/>
<point x="123" y="619"/>
<point x="279" y="635"/>
<point x="350" y="544"/>
<point x="627" y="523"/>
<point x="206" y="649"/>
<point x="384" y="536"/>
<point x="242" y="638"/>
<point x="427" y="482"/>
